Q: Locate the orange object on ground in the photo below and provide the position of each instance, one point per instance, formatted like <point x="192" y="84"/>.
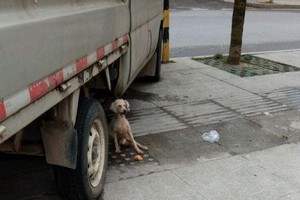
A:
<point x="138" y="158"/>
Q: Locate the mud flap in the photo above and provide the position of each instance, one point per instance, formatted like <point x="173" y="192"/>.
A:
<point x="150" y="68"/>
<point x="60" y="143"/>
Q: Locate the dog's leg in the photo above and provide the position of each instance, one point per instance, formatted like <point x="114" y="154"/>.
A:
<point x="117" y="144"/>
<point x="145" y="148"/>
<point x="134" y="143"/>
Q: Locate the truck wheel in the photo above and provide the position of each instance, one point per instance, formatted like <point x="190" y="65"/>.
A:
<point x="158" y="53"/>
<point x="87" y="180"/>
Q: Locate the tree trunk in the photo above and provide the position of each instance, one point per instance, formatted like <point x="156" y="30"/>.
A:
<point x="238" y="19"/>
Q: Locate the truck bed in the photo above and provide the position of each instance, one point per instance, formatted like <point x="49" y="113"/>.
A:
<point x="38" y="39"/>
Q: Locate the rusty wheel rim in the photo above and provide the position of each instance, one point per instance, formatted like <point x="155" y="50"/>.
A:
<point x="96" y="153"/>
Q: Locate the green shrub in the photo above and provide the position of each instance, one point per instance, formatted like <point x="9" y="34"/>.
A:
<point x="247" y="57"/>
<point x="218" y="56"/>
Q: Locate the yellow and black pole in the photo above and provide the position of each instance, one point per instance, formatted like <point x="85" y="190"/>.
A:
<point x="166" y="46"/>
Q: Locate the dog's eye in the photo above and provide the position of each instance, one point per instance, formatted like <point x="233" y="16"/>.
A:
<point x="119" y="106"/>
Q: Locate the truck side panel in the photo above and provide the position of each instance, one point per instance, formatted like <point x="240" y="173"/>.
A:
<point x="139" y="13"/>
<point x="143" y="40"/>
<point x="155" y="10"/>
<point x="37" y="39"/>
<point x="146" y="17"/>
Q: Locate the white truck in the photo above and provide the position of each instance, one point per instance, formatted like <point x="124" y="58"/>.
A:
<point x="53" y="54"/>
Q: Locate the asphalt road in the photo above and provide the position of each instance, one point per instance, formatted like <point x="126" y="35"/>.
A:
<point x="206" y="32"/>
<point x="196" y="4"/>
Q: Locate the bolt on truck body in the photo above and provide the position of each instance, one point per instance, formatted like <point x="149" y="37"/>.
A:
<point x="53" y="53"/>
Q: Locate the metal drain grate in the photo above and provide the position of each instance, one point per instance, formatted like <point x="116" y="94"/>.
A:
<point x="126" y="158"/>
<point x="256" y="66"/>
<point x="252" y="106"/>
<point x="202" y="113"/>
<point x="286" y="96"/>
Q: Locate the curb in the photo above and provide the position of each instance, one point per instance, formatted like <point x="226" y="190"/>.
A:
<point x="268" y="6"/>
<point x="272" y="6"/>
<point x="244" y="53"/>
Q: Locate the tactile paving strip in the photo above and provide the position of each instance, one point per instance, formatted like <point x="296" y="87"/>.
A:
<point x="202" y="113"/>
<point x="287" y="96"/>
<point x="252" y="106"/>
<point x="151" y="121"/>
<point x="126" y="157"/>
<point x="256" y="66"/>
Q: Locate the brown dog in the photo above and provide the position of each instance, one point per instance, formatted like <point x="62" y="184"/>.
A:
<point x="120" y="128"/>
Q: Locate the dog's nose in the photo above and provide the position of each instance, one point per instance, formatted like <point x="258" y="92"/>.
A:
<point x="125" y="111"/>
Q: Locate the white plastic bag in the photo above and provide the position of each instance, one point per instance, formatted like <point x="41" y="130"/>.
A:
<point x="211" y="136"/>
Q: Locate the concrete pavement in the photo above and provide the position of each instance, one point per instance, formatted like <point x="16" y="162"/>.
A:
<point x="256" y="158"/>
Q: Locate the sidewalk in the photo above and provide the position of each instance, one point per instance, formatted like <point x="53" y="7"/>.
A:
<point x="257" y="157"/>
<point x="278" y="4"/>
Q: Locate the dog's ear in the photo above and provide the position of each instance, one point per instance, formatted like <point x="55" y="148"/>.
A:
<point x="128" y="105"/>
<point x="113" y="107"/>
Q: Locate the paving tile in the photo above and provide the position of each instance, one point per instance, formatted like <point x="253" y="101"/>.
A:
<point x="283" y="124"/>
<point x="187" y="77"/>
<point x="190" y="63"/>
<point x="162" y="186"/>
<point x="283" y="161"/>
<point x="187" y="86"/>
<point x="115" y="174"/>
<point x="290" y="58"/>
<point x="292" y="196"/>
<point x="234" y="178"/>
<point x="194" y="92"/>
<point x="156" y="95"/>
<point x="267" y="83"/>
<point x="136" y="104"/>
<point x="219" y="74"/>
<point x="174" y="66"/>
<point x="183" y="147"/>
<point x="243" y="136"/>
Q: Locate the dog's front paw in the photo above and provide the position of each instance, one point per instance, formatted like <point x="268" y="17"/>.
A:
<point x="145" y="148"/>
<point x="140" y="151"/>
<point x="118" y="151"/>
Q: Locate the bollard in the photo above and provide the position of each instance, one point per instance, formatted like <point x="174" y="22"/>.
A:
<point x="166" y="43"/>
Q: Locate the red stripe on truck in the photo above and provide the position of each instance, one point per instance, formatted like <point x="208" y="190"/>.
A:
<point x="37" y="90"/>
<point x="81" y="64"/>
<point x="125" y="39"/>
<point x="2" y="111"/>
<point x="100" y="53"/>
<point x="56" y="79"/>
<point x="41" y="88"/>
<point x="114" y="45"/>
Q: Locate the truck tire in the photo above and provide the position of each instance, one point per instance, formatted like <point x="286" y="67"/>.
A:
<point x="158" y="53"/>
<point x="87" y="180"/>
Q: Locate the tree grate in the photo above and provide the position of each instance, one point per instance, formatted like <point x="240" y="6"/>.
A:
<point x="253" y="66"/>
